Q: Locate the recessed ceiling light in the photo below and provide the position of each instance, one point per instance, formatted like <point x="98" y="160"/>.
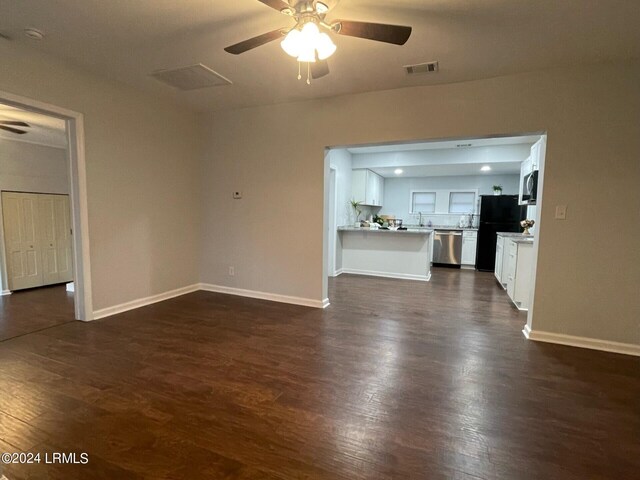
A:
<point x="321" y="8"/>
<point x="486" y="168"/>
<point x="398" y="171"/>
<point x="34" y="33"/>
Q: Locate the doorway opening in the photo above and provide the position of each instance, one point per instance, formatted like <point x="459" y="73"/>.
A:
<point x="463" y="211"/>
<point x="44" y="264"/>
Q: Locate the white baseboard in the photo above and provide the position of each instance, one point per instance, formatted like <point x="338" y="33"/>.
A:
<point x="273" y="297"/>
<point x="401" y="276"/>
<point x="581" y="342"/>
<point x="5" y="292"/>
<point x="337" y="273"/>
<point x="142" y="302"/>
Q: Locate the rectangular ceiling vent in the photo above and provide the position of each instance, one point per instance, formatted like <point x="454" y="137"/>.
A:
<point x="192" y="77"/>
<point x="429" y="67"/>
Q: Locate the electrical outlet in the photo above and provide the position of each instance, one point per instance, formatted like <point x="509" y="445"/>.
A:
<point x="232" y="271"/>
<point x="561" y="212"/>
<point x="237" y="195"/>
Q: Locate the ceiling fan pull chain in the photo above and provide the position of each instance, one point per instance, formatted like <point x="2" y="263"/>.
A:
<point x="299" y="72"/>
<point x="308" y="74"/>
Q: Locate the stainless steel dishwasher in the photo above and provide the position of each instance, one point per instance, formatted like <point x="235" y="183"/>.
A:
<point x="447" y="247"/>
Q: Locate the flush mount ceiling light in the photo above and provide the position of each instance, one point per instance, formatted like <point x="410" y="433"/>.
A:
<point x="486" y="168"/>
<point x="306" y="41"/>
<point x="398" y="171"/>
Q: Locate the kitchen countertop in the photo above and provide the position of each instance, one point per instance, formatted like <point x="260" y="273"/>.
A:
<point x="414" y="231"/>
<point x="514" y="235"/>
<point x="521" y="239"/>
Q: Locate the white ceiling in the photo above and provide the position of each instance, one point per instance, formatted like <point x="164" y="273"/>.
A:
<point x="42" y="130"/>
<point x="126" y="40"/>
<point x="450" y="170"/>
<point x="445" y="144"/>
<point x="503" y="155"/>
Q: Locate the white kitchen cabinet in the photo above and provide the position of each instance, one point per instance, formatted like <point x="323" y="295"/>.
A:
<point x="469" y="245"/>
<point x="367" y="187"/>
<point x="519" y="268"/>
<point x="500" y="260"/>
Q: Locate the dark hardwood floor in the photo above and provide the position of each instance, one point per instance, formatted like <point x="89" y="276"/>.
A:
<point x="396" y="380"/>
<point x="28" y="311"/>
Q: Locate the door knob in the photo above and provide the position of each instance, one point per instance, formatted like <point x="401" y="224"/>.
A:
<point x="51" y="244"/>
<point x="30" y="246"/>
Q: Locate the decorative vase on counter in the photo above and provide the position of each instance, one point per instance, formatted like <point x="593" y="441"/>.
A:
<point x="527" y="224"/>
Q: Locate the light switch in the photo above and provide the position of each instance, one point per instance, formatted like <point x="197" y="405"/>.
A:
<point x="237" y="195"/>
<point x="561" y="212"/>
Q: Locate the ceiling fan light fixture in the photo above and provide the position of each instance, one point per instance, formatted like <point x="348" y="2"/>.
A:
<point x="322" y="8"/>
<point x="303" y="44"/>
<point x="325" y="46"/>
<point x="291" y="43"/>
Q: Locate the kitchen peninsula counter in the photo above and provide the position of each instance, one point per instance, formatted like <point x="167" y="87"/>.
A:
<point x="404" y="254"/>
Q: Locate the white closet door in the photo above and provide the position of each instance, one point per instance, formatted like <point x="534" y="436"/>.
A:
<point x="63" y="238"/>
<point x="24" y="264"/>
<point x="47" y="214"/>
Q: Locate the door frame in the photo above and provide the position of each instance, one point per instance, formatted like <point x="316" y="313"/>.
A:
<point x="76" y="166"/>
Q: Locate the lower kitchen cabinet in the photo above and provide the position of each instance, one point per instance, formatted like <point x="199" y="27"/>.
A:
<point x="517" y="271"/>
<point x="469" y="246"/>
<point x="500" y="261"/>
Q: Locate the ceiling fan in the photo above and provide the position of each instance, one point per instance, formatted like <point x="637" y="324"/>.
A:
<point x="9" y="125"/>
<point x="308" y="43"/>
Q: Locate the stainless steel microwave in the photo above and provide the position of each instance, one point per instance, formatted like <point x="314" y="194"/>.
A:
<point x="530" y="188"/>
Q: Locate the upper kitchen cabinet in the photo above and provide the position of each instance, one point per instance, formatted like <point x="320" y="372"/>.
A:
<point x="367" y="187"/>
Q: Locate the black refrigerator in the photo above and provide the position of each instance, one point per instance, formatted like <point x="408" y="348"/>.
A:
<point x="498" y="213"/>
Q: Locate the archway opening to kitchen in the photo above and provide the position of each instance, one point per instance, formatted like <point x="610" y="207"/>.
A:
<point x="436" y="225"/>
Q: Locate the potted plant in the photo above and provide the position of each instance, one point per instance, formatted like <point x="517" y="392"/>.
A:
<point x="357" y="211"/>
<point x="497" y="189"/>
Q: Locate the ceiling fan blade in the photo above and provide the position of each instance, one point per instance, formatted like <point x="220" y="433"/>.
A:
<point x="14" y="123"/>
<point x="319" y="69"/>
<point x="395" y="34"/>
<point x="255" y="42"/>
<point x="12" y="130"/>
<point x="280" y="5"/>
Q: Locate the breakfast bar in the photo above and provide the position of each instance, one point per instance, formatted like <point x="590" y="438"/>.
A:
<point x="402" y="254"/>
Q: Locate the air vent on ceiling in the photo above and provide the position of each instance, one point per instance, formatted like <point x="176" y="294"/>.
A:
<point x="192" y="77"/>
<point x="429" y="67"/>
<point x="464" y="145"/>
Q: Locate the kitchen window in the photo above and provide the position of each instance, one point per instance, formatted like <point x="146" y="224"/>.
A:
<point x="462" y="202"/>
<point x="423" y="202"/>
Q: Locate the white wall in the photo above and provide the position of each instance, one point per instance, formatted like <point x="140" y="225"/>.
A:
<point x="142" y="159"/>
<point x="27" y="167"/>
<point x="397" y="193"/>
<point x="591" y="117"/>
<point x="341" y="160"/>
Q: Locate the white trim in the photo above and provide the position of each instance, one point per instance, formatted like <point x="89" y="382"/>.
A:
<point x="338" y="272"/>
<point x="71" y="287"/>
<point x="83" y="302"/>
<point x="401" y="276"/>
<point x="581" y="342"/>
<point x="143" y="302"/>
<point x="272" y="297"/>
<point x="5" y="292"/>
